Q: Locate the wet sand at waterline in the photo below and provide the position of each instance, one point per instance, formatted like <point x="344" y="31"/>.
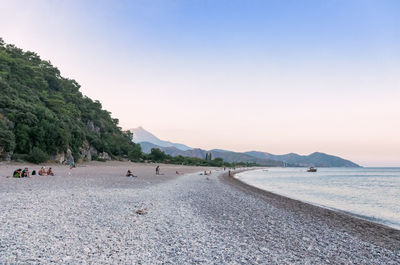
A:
<point x="95" y="214"/>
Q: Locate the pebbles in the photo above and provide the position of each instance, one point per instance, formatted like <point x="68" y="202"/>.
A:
<point x="98" y="217"/>
<point x="142" y="211"/>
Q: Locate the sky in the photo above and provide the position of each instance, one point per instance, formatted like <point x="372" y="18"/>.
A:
<point x="274" y="76"/>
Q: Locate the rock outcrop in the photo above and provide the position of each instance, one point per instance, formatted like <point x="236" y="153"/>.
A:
<point x="105" y="156"/>
<point x="69" y="159"/>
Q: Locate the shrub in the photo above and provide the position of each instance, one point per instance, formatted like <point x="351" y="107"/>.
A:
<point x="37" y="156"/>
<point x="20" y="157"/>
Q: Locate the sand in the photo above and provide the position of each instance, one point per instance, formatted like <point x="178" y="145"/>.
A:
<point x="93" y="214"/>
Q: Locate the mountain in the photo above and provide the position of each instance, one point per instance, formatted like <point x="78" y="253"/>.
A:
<point x="316" y="159"/>
<point x="149" y="141"/>
<point x="43" y="115"/>
<point x="141" y="135"/>
<point x="227" y="156"/>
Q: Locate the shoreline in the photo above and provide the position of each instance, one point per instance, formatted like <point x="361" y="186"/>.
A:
<point x="349" y="213"/>
<point x="379" y="234"/>
<point x="98" y="215"/>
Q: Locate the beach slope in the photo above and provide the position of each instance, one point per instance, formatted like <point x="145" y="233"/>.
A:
<point x="97" y="215"/>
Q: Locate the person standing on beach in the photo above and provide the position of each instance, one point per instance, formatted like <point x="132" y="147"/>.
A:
<point x="158" y="170"/>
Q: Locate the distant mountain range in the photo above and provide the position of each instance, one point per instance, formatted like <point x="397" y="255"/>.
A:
<point x="316" y="159"/>
<point x="148" y="141"/>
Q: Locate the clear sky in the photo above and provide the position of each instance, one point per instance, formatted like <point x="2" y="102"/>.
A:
<point x="275" y="76"/>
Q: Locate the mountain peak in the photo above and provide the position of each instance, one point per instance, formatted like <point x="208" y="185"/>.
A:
<point x="140" y="135"/>
<point x="139" y="128"/>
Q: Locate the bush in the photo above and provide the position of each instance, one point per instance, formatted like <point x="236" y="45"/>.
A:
<point x="97" y="158"/>
<point x="19" y="157"/>
<point x="37" y="156"/>
<point x="157" y="155"/>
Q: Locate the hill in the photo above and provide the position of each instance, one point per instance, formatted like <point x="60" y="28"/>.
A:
<point x="227" y="156"/>
<point x="44" y="115"/>
<point x="316" y="159"/>
<point x="262" y="158"/>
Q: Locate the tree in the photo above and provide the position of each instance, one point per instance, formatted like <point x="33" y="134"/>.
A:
<point x="50" y="113"/>
<point x="7" y="139"/>
<point x="37" y="156"/>
<point x="135" y="153"/>
<point x="157" y="155"/>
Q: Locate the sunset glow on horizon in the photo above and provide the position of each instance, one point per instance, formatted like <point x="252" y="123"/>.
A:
<point x="298" y="76"/>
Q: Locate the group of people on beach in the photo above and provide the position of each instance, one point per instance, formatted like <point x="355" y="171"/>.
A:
<point x="25" y="173"/>
<point x="129" y="173"/>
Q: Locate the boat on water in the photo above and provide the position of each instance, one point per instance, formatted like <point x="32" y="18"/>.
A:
<point x="311" y="169"/>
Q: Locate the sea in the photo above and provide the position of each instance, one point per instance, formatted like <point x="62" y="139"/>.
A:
<point x="368" y="193"/>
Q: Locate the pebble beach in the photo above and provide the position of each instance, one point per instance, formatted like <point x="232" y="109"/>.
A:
<point x="94" y="214"/>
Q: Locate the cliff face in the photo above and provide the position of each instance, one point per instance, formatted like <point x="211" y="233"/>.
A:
<point x="44" y="115"/>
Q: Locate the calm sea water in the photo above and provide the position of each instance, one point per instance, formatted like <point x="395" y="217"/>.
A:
<point x="369" y="193"/>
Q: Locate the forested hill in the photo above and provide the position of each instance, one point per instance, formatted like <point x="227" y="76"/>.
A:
<point x="44" y="115"/>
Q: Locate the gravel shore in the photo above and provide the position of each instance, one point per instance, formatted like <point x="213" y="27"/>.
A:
<point x="95" y="215"/>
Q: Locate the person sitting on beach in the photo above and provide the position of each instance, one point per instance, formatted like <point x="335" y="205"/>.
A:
<point x="50" y="172"/>
<point x="42" y="172"/>
<point x="177" y="172"/>
<point x="17" y="173"/>
<point x="25" y="173"/>
<point x="130" y="174"/>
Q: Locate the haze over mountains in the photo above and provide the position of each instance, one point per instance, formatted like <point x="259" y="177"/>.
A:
<point x="148" y="141"/>
<point x="141" y="135"/>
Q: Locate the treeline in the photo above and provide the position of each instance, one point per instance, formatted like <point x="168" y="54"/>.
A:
<point x="44" y="115"/>
<point x="157" y="155"/>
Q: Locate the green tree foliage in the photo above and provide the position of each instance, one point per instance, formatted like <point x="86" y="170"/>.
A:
<point x="157" y="155"/>
<point x="7" y="138"/>
<point x="49" y="113"/>
<point x="37" y="156"/>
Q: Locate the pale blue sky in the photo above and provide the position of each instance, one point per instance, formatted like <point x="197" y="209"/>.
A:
<point x="275" y="76"/>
